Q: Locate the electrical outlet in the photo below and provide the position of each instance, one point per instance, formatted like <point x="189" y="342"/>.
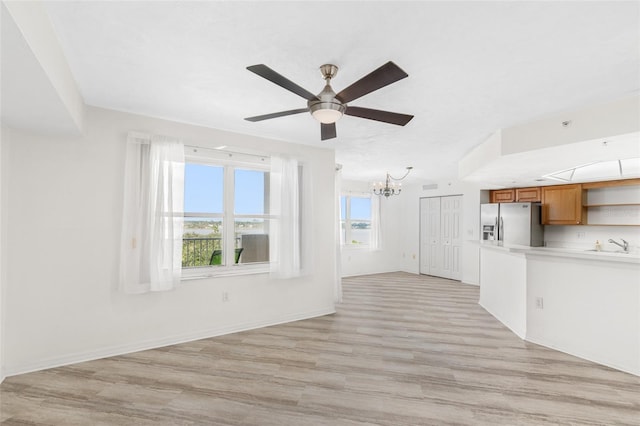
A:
<point x="539" y="303"/>
<point x="225" y="296"/>
<point x="581" y="235"/>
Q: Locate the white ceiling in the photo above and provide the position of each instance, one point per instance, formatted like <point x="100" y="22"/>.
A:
<point x="473" y="67"/>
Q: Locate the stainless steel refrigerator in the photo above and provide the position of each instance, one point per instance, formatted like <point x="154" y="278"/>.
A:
<point x="512" y="223"/>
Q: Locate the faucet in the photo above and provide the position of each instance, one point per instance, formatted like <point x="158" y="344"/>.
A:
<point x="624" y="245"/>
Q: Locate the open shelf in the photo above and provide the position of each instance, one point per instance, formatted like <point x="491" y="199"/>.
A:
<point x="612" y="205"/>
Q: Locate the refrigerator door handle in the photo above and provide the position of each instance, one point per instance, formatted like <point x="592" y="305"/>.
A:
<point x="501" y="229"/>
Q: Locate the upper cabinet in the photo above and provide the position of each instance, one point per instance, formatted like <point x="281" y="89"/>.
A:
<point x="524" y="195"/>
<point x="503" y="196"/>
<point x="516" y="195"/>
<point x="615" y="202"/>
<point x="563" y="205"/>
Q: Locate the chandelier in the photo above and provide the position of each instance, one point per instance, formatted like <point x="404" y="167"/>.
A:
<point x="390" y="188"/>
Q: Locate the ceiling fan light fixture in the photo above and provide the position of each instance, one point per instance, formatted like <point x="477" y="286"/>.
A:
<point x="327" y="112"/>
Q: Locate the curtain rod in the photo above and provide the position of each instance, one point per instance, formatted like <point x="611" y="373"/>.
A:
<point x="225" y="151"/>
<point x="145" y="138"/>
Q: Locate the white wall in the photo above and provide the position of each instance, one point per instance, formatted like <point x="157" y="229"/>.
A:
<point x="503" y="292"/>
<point x="4" y="141"/>
<point x="401" y="224"/>
<point x="619" y="117"/>
<point x="64" y="215"/>
<point x="591" y="309"/>
<point x="410" y="220"/>
<point x="361" y="261"/>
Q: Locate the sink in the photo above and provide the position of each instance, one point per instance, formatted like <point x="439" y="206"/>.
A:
<point x="608" y="252"/>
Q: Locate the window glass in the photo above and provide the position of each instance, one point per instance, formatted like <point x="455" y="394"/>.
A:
<point x="252" y="240"/>
<point x="203" y="235"/>
<point x="250" y="190"/>
<point x="202" y="242"/>
<point x="245" y="240"/>
<point x="360" y="208"/>
<point x="203" y="188"/>
<point x="355" y="225"/>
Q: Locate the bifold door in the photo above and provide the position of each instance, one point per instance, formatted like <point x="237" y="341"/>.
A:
<point x="440" y="236"/>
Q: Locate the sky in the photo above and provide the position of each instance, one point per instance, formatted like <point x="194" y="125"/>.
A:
<point x="203" y="192"/>
<point x="360" y="208"/>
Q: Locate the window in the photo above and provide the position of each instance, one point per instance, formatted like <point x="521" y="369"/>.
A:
<point x="203" y="217"/>
<point x="355" y="220"/>
<point x="226" y="214"/>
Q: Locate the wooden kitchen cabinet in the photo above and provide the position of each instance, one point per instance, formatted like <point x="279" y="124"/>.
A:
<point x="503" y="196"/>
<point x="563" y="205"/>
<point x="524" y="195"/>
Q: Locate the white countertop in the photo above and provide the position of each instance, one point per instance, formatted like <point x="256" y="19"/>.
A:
<point x="591" y="255"/>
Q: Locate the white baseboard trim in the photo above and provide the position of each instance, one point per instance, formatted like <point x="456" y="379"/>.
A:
<point x="542" y="342"/>
<point x="158" y="343"/>
<point x="517" y="333"/>
<point x="587" y="357"/>
<point x="386" y="271"/>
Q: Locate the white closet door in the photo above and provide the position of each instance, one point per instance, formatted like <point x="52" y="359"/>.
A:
<point x="424" y="240"/>
<point x="456" y="237"/>
<point x="430" y="236"/>
<point x="445" y="233"/>
<point x="441" y="236"/>
<point x="435" y="262"/>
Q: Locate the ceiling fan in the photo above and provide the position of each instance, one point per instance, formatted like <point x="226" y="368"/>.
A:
<point x="328" y="107"/>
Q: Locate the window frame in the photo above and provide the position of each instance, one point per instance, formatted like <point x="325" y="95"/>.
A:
<point x="347" y="242"/>
<point x="228" y="215"/>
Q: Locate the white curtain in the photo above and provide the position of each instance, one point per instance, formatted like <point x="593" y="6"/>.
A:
<point x="376" y="229"/>
<point x="284" y="232"/>
<point x="338" y="268"/>
<point x="152" y="218"/>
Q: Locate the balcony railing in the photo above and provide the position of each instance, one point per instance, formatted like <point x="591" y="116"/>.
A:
<point x="199" y="251"/>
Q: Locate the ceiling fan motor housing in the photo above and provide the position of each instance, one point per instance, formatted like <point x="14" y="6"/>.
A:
<point x="326" y="108"/>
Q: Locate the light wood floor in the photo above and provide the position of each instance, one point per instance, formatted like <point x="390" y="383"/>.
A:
<point x="401" y="350"/>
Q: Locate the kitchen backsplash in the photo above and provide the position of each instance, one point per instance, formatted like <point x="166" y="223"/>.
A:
<point x="585" y="237"/>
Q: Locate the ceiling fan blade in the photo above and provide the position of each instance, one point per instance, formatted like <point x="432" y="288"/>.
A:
<point x="266" y="72"/>
<point x="376" y="114"/>
<point x="327" y="131"/>
<point x="383" y="76"/>
<point x="277" y="114"/>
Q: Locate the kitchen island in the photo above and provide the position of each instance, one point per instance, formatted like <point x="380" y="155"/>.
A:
<point x="584" y="303"/>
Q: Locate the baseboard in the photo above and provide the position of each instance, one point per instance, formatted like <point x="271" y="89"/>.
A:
<point x="541" y="342"/>
<point x="386" y="271"/>
<point x="587" y="357"/>
<point x="520" y="335"/>
<point x="158" y="343"/>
